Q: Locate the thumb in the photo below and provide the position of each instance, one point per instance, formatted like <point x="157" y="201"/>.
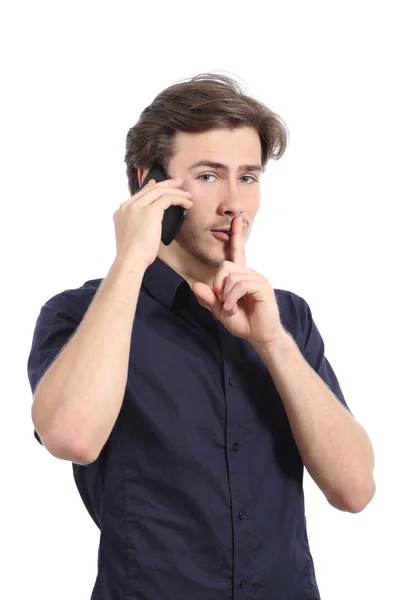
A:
<point x="206" y="297"/>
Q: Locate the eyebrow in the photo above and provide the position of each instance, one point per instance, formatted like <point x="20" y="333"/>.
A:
<point x="221" y="167"/>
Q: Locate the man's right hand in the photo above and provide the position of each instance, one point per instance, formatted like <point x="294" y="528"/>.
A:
<point x="138" y="221"/>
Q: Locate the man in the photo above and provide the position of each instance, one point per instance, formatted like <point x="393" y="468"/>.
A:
<point x="188" y="393"/>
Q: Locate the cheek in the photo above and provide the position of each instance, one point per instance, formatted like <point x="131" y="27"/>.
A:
<point x="193" y="220"/>
<point x="201" y="211"/>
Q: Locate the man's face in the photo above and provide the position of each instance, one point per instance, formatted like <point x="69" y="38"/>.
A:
<point x="218" y="195"/>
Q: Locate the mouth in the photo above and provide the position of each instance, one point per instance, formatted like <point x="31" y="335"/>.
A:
<point x="221" y="235"/>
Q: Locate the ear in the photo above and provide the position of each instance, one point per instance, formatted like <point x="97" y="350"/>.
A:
<point x="142" y="174"/>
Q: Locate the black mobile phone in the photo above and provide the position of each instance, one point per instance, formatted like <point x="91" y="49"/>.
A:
<point x="173" y="215"/>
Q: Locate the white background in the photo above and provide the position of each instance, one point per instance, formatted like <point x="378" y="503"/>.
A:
<point x="75" y="78"/>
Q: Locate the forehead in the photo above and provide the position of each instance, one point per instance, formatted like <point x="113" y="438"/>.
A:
<point x="233" y="145"/>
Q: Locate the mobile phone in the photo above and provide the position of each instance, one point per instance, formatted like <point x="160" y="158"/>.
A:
<point x="173" y="215"/>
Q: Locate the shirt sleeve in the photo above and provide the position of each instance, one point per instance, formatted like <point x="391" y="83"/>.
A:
<point x="57" y="321"/>
<point x="313" y="350"/>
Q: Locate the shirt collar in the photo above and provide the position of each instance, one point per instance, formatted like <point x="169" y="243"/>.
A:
<point x="171" y="289"/>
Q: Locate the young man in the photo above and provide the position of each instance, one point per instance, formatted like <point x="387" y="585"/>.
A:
<point x="187" y="392"/>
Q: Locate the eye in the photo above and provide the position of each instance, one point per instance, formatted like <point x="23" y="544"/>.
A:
<point x="206" y="175"/>
<point x="211" y="175"/>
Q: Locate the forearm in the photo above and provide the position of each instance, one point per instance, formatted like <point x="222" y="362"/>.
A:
<point x="334" y="447"/>
<point x="79" y="398"/>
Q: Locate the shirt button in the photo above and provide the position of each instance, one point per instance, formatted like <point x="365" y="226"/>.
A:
<point x="243" y="583"/>
<point x="235" y="446"/>
<point x="242" y="515"/>
<point x="231" y="381"/>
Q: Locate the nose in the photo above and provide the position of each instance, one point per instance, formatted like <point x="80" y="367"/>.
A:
<point x="232" y="202"/>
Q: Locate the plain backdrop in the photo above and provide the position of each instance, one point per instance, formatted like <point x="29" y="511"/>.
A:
<point x="75" y="77"/>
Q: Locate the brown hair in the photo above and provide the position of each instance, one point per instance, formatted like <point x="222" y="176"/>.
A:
<point x="204" y="102"/>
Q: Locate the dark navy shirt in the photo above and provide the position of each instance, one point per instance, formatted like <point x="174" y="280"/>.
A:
<point x="198" y="492"/>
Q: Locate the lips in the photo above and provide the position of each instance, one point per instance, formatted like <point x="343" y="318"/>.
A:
<point x="221" y="235"/>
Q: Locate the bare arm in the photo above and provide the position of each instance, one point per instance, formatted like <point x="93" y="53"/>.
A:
<point x="334" y="447"/>
<point x="79" y="398"/>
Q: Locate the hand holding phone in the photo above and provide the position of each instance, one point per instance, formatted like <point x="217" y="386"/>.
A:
<point x="139" y="220"/>
<point x="174" y="215"/>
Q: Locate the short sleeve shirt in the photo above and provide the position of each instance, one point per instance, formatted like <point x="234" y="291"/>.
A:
<point x="198" y="491"/>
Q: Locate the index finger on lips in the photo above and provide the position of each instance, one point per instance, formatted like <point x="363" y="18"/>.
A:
<point x="238" y="254"/>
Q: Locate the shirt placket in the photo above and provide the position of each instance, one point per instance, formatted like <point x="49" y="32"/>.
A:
<point x="236" y="432"/>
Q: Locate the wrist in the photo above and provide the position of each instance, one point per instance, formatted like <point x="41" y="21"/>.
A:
<point x="131" y="264"/>
<point x="281" y="341"/>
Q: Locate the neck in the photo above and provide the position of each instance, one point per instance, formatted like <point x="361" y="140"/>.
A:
<point x="187" y="264"/>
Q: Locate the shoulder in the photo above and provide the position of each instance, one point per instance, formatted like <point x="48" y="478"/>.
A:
<point x="292" y="310"/>
<point x="72" y="301"/>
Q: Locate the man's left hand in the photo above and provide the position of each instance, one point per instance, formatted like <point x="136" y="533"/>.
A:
<point x="240" y="298"/>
